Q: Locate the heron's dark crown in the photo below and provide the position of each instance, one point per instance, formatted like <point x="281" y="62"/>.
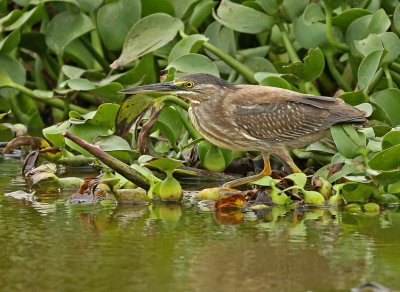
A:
<point x="204" y="78"/>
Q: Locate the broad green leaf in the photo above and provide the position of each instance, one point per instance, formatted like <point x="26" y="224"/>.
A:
<point x="30" y="17"/>
<point x="26" y="111"/>
<point x="200" y="13"/>
<point x="66" y="27"/>
<point x="236" y="17"/>
<point x="354" y="97"/>
<point x="357" y="31"/>
<point x="276" y="81"/>
<point x="299" y="179"/>
<point x="391" y="139"/>
<point x="114" y="21"/>
<point x="312" y="67"/>
<point x="187" y="45"/>
<point x="380" y="22"/>
<point x="81" y="84"/>
<point x="182" y="6"/>
<point x="10" y="42"/>
<point x="310" y="35"/>
<point x="294" y="8"/>
<point x="147" y="35"/>
<point x="259" y="64"/>
<point x="388" y="101"/>
<point x="221" y="37"/>
<point x="80" y="55"/>
<point x="130" y="109"/>
<point x="388" y="159"/>
<point x="157" y="6"/>
<point x="313" y="13"/>
<point x="89" y="5"/>
<point x="109" y="92"/>
<point x="367" y="69"/>
<point x="333" y="4"/>
<point x="391" y="43"/>
<point x="356" y="192"/>
<point x="115" y="146"/>
<point x="396" y="18"/>
<point x="165" y="163"/>
<point x="55" y="133"/>
<point x="194" y="63"/>
<point x="72" y="72"/>
<point x="347" y="140"/>
<point x="170" y="117"/>
<point x="366" y="46"/>
<point x="344" y="19"/>
<point x="271" y="7"/>
<point x="11" y="71"/>
<point x="87" y="132"/>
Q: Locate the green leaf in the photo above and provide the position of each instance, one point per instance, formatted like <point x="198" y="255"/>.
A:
<point x="66" y="27"/>
<point x="313" y="13"/>
<point x="388" y="159"/>
<point x="367" y="69"/>
<point x="356" y="192"/>
<point x="115" y="146"/>
<point x="276" y="81"/>
<point x="165" y="163"/>
<point x="312" y="67"/>
<point x="236" y="17"/>
<point x="81" y="84"/>
<point x="294" y="8"/>
<point x="109" y="92"/>
<point x="89" y="5"/>
<point x="200" y="13"/>
<point x="30" y="17"/>
<point x="129" y="111"/>
<point x="146" y="35"/>
<point x="391" y="139"/>
<point x="114" y="21"/>
<point x="186" y="45"/>
<point x="380" y="22"/>
<point x="299" y="179"/>
<point x="396" y="18"/>
<point x="347" y="140"/>
<point x="344" y="19"/>
<point x="194" y="63"/>
<point x="182" y="6"/>
<point x="310" y="35"/>
<point x="55" y="133"/>
<point x="388" y="101"/>
<point x="354" y="97"/>
<point x="221" y="37"/>
<point x="10" y="42"/>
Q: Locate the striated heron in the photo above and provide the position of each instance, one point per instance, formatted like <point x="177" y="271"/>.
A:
<point x="256" y="118"/>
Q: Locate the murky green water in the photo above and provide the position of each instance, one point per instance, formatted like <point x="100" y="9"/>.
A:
<point x="47" y="246"/>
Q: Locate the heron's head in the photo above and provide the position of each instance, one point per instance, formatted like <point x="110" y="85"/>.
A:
<point x="195" y="87"/>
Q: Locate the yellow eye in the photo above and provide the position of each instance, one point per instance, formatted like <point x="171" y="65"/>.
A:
<point x="189" y="84"/>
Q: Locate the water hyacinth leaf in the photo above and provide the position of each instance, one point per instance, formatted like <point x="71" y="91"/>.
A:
<point x="81" y="84"/>
<point x="155" y="6"/>
<point x="276" y="81"/>
<point x="391" y="43"/>
<point x="186" y="45"/>
<point x="354" y="97"/>
<point x="388" y="101"/>
<point x="271" y="7"/>
<point x="55" y="133"/>
<point x="356" y="31"/>
<point x="333" y="4"/>
<point x="130" y="109"/>
<point x="147" y="35"/>
<point x="259" y="64"/>
<point x="391" y="139"/>
<point x="388" y="159"/>
<point x="300" y="179"/>
<point x="310" y="35"/>
<point x="170" y="117"/>
<point x="313" y="13"/>
<point x="294" y="8"/>
<point x="10" y="42"/>
<point x="372" y="43"/>
<point x="200" y="13"/>
<point x="312" y="67"/>
<point x="109" y="92"/>
<point x="347" y="140"/>
<point x="72" y="72"/>
<point x="344" y="19"/>
<point x="29" y="18"/>
<point x="356" y="192"/>
<point x="11" y="71"/>
<point x="221" y="37"/>
<point x="73" y="26"/>
<point x="194" y="63"/>
<point x="165" y="164"/>
<point x="367" y="69"/>
<point x="89" y="5"/>
<point x="236" y="17"/>
<point x="182" y="6"/>
<point x="115" y="146"/>
<point x="396" y="18"/>
<point x="118" y="17"/>
<point x="380" y="22"/>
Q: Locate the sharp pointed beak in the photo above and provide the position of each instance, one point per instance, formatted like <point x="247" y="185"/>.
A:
<point x="152" y="88"/>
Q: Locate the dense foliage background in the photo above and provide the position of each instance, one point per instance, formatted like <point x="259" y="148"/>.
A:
<point x="63" y="62"/>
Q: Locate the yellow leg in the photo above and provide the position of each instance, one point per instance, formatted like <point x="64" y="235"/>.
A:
<point x="283" y="154"/>
<point x="248" y="179"/>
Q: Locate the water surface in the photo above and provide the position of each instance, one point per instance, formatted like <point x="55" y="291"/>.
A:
<point x="47" y="246"/>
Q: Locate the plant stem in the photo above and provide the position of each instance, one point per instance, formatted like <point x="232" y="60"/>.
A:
<point x="55" y="102"/>
<point x="188" y="125"/>
<point x="375" y="81"/>
<point x="175" y="100"/>
<point x="396" y="77"/>
<point x="388" y="76"/>
<point x="335" y="73"/>
<point x="289" y="46"/>
<point x="247" y="73"/>
<point x="329" y="31"/>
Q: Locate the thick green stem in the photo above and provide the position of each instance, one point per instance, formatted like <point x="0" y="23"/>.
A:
<point x="395" y="67"/>
<point x="375" y="81"/>
<point x="388" y="76"/>
<point x="289" y="46"/>
<point x="176" y="100"/>
<point x="329" y="31"/>
<point x="188" y="125"/>
<point x="55" y="102"/>
<point x="396" y="77"/>
<point x="247" y="73"/>
<point x="335" y="73"/>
